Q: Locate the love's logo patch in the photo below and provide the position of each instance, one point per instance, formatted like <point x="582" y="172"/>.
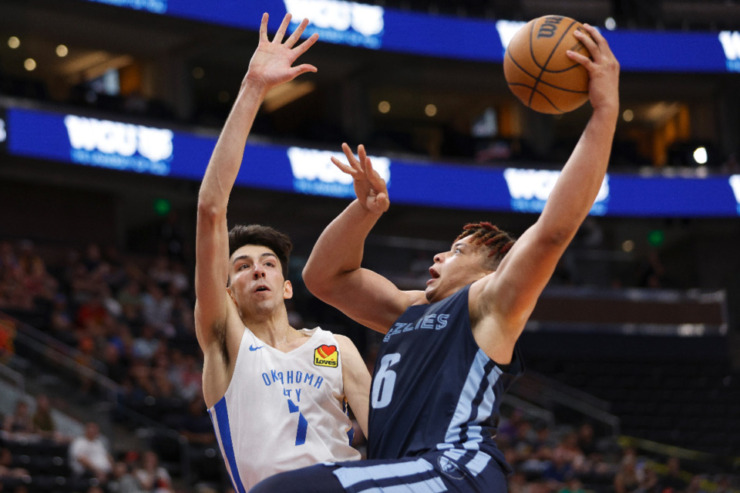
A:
<point x="326" y="356"/>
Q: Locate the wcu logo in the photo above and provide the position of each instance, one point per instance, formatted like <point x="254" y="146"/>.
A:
<point x="123" y="139"/>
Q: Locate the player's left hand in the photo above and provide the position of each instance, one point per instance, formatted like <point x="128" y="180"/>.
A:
<point x="370" y="188"/>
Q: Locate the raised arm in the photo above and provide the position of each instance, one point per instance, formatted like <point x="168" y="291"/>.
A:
<point x="271" y="65"/>
<point x="509" y="295"/>
<point x="334" y="273"/>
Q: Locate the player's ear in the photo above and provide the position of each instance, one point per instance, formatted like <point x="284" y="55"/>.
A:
<point x="287" y="290"/>
<point x="230" y="290"/>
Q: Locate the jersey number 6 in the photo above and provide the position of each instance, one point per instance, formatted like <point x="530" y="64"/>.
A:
<point x="384" y="381"/>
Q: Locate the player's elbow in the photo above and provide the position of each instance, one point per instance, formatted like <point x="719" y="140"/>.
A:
<point x="209" y="209"/>
<point x="316" y="279"/>
<point x="558" y="236"/>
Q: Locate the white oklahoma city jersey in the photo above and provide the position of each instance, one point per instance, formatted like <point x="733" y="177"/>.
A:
<point x="283" y="411"/>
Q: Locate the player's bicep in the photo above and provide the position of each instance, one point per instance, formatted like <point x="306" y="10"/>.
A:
<point x="511" y="292"/>
<point x="368" y="298"/>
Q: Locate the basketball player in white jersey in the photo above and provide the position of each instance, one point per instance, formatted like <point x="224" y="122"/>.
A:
<point x="277" y="396"/>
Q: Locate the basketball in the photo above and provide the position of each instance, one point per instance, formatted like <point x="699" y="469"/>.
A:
<point x="539" y="72"/>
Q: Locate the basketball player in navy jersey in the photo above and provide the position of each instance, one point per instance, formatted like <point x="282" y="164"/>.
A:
<point x="277" y="396"/>
<point x="449" y="351"/>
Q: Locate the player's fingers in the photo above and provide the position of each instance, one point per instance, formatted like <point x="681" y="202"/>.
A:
<point x="295" y="36"/>
<point x="582" y="59"/>
<point x="585" y="38"/>
<point x="303" y="47"/>
<point x="362" y="155"/>
<point x="343" y="167"/>
<point x="383" y="201"/>
<point x="281" y="30"/>
<point x="302" y="69"/>
<point x="350" y="157"/>
<point x="376" y="182"/>
<point x="263" y="26"/>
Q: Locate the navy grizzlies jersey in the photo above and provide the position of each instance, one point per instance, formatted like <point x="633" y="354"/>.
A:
<point x="433" y="387"/>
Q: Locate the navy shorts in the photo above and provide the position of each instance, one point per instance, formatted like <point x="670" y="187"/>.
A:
<point x="452" y="470"/>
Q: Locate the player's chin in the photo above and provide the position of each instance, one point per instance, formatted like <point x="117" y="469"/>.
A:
<point x="429" y="292"/>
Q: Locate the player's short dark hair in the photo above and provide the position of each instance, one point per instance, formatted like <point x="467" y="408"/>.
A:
<point x="497" y="241"/>
<point x="257" y="234"/>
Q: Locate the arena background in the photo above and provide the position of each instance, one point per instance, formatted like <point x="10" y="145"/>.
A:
<point x="108" y="113"/>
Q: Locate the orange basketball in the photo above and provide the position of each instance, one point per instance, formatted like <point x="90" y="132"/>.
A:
<point x="539" y="72"/>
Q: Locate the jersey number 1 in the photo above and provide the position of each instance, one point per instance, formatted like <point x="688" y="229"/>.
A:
<point x="384" y="381"/>
<point x="300" y="434"/>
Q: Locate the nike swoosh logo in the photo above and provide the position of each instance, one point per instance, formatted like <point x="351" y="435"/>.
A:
<point x="252" y="348"/>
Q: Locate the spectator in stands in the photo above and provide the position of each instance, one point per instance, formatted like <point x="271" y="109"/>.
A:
<point x="114" y="362"/>
<point x="151" y="476"/>
<point x="196" y="426"/>
<point x="146" y="345"/>
<point x="626" y="479"/>
<point x="8" y="468"/>
<point x="88" y="455"/>
<point x="61" y="321"/>
<point x="156" y="306"/>
<point x="43" y="421"/>
<point x="122" y="480"/>
<point x="20" y="421"/>
<point x="672" y="481"/>
<point x="559" y="469"/>
<point x="649" y="481"/>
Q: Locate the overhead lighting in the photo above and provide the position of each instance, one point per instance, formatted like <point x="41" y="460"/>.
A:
<point x="384" y="107"/>
<point x="700" y="155"/>
<point x="29" y="64"/>
<point x="430" y="110"/>
<point x="62" y="51"/>
<point x="610" y="23"/>
<point x="628" y="115"/>
<point x="14" y="42"/>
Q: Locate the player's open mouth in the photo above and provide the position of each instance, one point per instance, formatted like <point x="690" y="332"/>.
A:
<point x="261" y="288"/>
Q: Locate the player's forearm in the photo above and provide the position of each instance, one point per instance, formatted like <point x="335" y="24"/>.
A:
<point x="580" y="181"/>
<point x="340" y="247"/>
<point x="227" y="156"/>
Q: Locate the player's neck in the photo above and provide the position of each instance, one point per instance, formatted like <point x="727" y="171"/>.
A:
<point x="274" y="329"/>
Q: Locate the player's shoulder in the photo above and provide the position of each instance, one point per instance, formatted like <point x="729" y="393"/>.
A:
<point x="343" y="341"/>
<point x="415" y="297"/>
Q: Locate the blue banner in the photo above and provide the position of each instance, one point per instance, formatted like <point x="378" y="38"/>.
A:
<point x="375" y="27"/>
<point x="127" y="147"/>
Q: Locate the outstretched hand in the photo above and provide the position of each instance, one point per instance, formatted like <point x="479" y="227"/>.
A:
<point x="272" y="61"/>
<point x="602" y="67"/>
<point x="370" y="188"/>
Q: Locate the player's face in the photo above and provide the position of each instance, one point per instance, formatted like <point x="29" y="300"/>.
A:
<point x="464" y="263"/>
<point x="257" y="283"/>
